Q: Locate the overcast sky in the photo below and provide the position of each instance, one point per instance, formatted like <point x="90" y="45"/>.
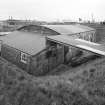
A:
<point x="50" y="10"/>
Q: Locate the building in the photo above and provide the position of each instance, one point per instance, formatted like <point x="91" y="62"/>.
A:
<point x="76" y="30"/>
<point x="28" y="48"/>
<point x="15" y="22"/>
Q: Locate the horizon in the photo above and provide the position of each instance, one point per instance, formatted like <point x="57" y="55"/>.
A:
<point x="53" y="10"/>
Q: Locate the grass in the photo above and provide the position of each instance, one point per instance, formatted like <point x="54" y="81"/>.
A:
<point x="83" y="85"/>
<point x="19" y="88"/>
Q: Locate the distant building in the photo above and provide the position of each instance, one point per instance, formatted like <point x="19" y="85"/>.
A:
<point x="15" y="22"/>
<point x="28" y="48"/>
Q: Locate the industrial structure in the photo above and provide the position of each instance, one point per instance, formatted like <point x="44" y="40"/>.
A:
<point x="31" y="48"/>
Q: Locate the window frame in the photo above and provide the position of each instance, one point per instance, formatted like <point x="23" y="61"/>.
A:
<point x="24" y="57"/>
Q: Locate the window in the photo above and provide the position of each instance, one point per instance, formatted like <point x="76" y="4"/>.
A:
<point x="24" y="57"/>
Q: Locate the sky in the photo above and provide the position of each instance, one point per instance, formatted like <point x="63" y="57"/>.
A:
<point x="52" y="10"/>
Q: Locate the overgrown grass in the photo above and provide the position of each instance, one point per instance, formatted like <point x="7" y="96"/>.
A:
<point x="19" y="88"/>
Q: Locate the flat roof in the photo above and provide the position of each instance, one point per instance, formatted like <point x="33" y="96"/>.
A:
<point x="25" y="41"/>
<point x="69" y="29"/>
<point x="79" y="43"/>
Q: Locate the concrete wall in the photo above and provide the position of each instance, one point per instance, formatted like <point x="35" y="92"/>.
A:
<point x="47" y="60"/>
<point x="39" y="64"/>
<point x="89" y="36"/>
<point x="100" y="31"/>
<point x="13" y="55"/>
<point x="71" y="52"/>
<point x="100" y="35"/>
<point x="74" y="52"/>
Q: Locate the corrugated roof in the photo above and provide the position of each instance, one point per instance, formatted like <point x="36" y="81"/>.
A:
<point x="70" y="41"/>
<point x="69" y="29"/>
<point x="26" y="42"/>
